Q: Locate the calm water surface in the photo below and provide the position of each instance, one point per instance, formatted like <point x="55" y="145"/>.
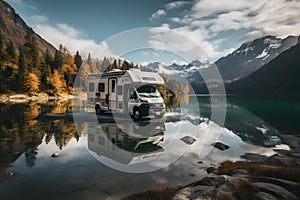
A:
<point x="82" y="169"/>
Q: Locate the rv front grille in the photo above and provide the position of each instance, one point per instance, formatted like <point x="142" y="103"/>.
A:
<point x="157" y="105"/>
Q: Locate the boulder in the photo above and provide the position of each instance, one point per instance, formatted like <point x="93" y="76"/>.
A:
<point x="198" y="192"/>
<point x="264" y="196"/>
<point x="188" y="140"/>
<point x="212" y="180"/>
<point x="221" y="146"/>
<point x="275" y="190"/>
<point x="211" y="170"/>
<point x="55" y="154"/>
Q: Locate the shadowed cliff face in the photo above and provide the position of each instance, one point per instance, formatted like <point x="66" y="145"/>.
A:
<point x="15" y="29"/>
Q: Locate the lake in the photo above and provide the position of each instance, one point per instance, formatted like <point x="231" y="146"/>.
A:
<point x="100" y="158"/>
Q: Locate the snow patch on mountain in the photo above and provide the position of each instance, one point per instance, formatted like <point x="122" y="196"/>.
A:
<point x="263" y="54"/>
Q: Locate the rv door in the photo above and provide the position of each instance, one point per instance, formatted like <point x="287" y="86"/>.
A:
<point x="112" y="97"/>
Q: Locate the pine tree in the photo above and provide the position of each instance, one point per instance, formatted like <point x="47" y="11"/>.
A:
<point x="45" y="72"/>
<point x="49" y="61"/>
<point x="31" y="54"/>
<point x="115" y="65"/>
<point x="125" y="65"/>
<point x="58" y="57"/>
<point x="23" y="70"/>
<point x="2" y="61"/>
<point x="2" y="48"/>
<point x="89" y="59"/>
<point x="78" y="60"/>
<point x="11" y="51"/>
<point x="35" y="56"/>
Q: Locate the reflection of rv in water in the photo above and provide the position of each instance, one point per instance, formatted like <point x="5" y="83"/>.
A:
<point x="126" y="91"/>
<point x="127" y="143"/>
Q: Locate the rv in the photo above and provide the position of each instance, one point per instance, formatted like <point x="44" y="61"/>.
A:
<point x="130" y="91"/>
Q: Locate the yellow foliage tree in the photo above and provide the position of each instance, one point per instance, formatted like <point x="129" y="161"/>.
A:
<point x="32" y="82"/>
<point x="57" y="81"/>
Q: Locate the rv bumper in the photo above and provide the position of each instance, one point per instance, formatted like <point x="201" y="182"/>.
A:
<point x="148" y="109"/>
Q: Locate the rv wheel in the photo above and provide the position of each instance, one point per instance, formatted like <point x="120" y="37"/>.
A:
<point x="98" y="110"/>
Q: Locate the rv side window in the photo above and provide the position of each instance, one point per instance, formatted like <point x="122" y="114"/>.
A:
<point x="120" y="90"/>
<point x="91" y="87"/>
<point x="101" y="87"/>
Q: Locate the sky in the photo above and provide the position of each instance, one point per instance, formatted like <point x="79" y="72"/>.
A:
<point x="158" y="30"/>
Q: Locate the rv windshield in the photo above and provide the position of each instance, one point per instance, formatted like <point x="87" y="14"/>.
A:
<point x="148" y="91"/>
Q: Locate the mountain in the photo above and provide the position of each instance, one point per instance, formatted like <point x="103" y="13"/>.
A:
<point x="279" y="76"/>
<point x="185" y="70"/>
<point x="252" y="55"/>
<point x="15" y="29"/>
<point x="248" y="58"/>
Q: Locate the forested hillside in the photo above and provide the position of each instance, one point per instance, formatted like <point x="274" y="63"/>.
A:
<point x="280" y="76"/>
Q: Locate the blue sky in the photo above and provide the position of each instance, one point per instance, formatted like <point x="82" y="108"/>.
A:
<point x="217" y="27"/>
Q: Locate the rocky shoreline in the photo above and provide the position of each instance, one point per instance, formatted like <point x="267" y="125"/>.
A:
<point x="258" y="177"/>
<point x="26" y="97"/>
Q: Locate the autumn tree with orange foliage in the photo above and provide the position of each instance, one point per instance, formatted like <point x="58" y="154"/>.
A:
<point x="57" y="81"/>
<point x="69" y="69"/>
<point x="32" y="82"/>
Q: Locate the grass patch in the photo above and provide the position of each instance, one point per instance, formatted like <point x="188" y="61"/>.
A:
<point x="259" y="169"/>
<point x="244" y="190"/>
<point x="158" y="193"/>
<point x="223" y="196"/>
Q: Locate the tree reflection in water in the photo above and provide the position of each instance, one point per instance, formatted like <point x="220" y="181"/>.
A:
<point x="21" y="133"/>
<point x="173" y="101"/>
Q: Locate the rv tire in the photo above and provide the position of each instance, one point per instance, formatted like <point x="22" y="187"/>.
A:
<point x="98" y="110"/>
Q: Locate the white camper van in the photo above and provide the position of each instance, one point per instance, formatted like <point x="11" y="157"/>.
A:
<point x="126" y="91"/>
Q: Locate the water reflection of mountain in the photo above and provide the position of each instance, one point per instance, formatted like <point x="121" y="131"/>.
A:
<point x="245" y="124"/>
<point x="126" y="143"/>
<point x="280" y="112"/>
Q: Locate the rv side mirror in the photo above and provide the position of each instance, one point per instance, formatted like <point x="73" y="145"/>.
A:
<point x="134" y="95"/>
<point x="162" y="94"/>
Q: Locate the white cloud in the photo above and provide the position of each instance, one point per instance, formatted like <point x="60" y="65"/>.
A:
<point x="102" y="50"/>
<point x="207" y="20"/>
<point x="260" y="17"/>
<point x="66" y="35"/>
<point x="158" y="14"/>
<point x="176" y="4"/>
<point x="207" y="7"/>
<point x="69" y="30"/>
<point x="179" y="41"/>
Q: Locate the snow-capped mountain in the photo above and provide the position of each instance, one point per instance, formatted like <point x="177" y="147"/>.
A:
<point x="184" y="70"/>
<point x="252" y="55"/>
<point x="279" y="76"/>
<point x="248" y="58"/>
